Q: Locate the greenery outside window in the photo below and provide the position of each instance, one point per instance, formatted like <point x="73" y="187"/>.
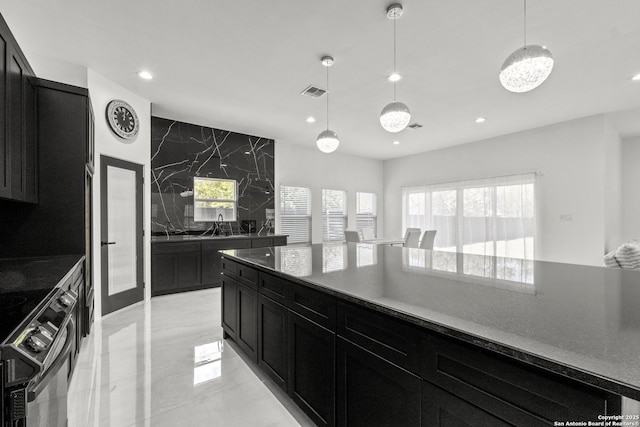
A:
<point x="215" y="199"/>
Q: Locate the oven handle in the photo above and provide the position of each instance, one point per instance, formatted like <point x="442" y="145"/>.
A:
<point x="63" y="357"/>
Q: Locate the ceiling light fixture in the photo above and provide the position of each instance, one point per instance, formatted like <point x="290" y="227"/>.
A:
<point x="636" y="77"/>
<point x="396" y="115"/>
<point x="528" y="67"/>
<point x="311" y="119"/>
<point x="327" y="141"/>
<point x="396" y="142"/>
<point x="481" y="120"/>
<point x="145" y="75"/>
<point x="394" y="77"/>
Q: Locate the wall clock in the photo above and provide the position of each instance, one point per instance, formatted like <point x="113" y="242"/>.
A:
<point x="122" y="119"/>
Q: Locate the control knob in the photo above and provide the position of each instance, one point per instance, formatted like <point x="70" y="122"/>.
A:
<point x="36" y="344"/>
<point x="65" y="300"/>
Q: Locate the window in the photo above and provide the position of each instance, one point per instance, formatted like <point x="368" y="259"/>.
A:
<point x="491" y="217"/>
<point x="295" y="213"/>
<point x="334" y="215"/>
<point x="366" y="211"/>
<point x="215" y="199"/>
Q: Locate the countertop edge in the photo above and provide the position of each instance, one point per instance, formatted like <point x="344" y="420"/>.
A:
<point x="520" y="355"/>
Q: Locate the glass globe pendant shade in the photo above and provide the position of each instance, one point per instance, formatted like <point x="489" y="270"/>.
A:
<point x="526" y="68"/>
<point x="395" y="117"/>
<point x="327" y="141"/>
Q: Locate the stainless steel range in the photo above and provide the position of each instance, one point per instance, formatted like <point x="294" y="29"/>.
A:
<point x="37" y="330"/>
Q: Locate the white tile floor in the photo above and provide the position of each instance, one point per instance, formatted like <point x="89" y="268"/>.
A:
<point x="164" y="363"/>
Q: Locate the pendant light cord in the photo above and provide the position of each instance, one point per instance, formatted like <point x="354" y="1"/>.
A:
<point x="525" y="23"/>
<point x="394" y="56"/>
<point x="327" y="97"/>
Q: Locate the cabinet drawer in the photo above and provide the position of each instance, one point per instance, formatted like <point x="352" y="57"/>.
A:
<point x="513" y="391"/>
<point x="248" y="276"/>
<point x="280" y="241"/>
<point x="314" y="305"/>
<point x="175" y="247"/>
<point x="229" y="268"/>
<point x="225" y="243"/>
<point x="383" y="335"/>
<point x="273" y="287"/>
<point x="261" y="243"/>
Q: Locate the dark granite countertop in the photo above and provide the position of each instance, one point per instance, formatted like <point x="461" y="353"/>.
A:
<point x="25" y="282"/>
<point x="579" y="321"/>
<point x="192" y="237"/>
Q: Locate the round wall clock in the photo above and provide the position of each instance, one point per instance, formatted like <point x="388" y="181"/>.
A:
<point x="122" y="119"/>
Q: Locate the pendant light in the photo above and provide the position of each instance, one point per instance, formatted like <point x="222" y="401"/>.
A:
<point x="327" y="141"/>
<point x="396" y="115"/>
<point x="528" y="67"/>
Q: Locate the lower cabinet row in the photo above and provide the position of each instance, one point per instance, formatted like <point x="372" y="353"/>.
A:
<point x="352" y="367"/>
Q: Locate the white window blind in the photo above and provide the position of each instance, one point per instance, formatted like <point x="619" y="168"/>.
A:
<point x="366" y="212"/>
<point x="295" y="213"/>
<point x="334" y="214"/>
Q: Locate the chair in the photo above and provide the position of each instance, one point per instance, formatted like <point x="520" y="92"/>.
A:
<point x="412" y="239"/>
<point x="406" y="233"/>
<point x="351" y="236"/>
<point x="427" y="239"/>
<point x="367" y="233"/>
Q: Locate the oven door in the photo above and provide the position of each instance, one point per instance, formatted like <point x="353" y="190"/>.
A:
<point x="47" y="394"/>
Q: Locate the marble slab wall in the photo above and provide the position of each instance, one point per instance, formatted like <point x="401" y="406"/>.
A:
<point x="181" y="151"/>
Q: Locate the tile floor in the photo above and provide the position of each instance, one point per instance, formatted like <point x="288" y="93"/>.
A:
<point x="164" y="363"/>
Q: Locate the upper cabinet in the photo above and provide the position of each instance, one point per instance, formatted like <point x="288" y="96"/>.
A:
<point x="18" y="150"/>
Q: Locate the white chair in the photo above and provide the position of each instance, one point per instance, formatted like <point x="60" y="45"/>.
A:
<point x="367" y="233"/>
<point x="351" y="236"/>
<point x="406" y="233"/>
<point x="412" y="239"/>
<point x="427" y="239"/>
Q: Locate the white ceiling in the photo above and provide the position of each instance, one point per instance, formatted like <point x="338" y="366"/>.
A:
<point x="240" y="65"/>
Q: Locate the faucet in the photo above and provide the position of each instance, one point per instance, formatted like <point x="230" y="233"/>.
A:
<point x="220" y="217"/>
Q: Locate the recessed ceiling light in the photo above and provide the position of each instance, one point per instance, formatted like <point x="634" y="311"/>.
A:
<point x="636" y="77"/>
<point x="396" y="142"/>
<point x="247" y="152"/>
<point x="394" y="77"/>
<point x="480" y="120"/>
<point x="311" y="119"/>
<point x="145" y="75"/>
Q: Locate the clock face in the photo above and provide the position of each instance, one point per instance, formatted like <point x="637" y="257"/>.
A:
<point x="122" y="119"/>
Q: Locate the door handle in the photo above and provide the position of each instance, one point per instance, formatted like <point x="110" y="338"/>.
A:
<point x="107" y="243"/>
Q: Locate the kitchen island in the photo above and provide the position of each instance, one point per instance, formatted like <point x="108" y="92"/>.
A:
<point x="186" y="262"/>
<point x="360" y="334"/>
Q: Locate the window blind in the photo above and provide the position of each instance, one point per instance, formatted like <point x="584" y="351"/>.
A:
<point x="334" y="214"/>
<point x="366" y="211"/>
<point x="295" y="213"/>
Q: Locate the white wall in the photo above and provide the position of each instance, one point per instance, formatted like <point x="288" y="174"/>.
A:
<point x="570" y="157"/>
<point x="613" y="189"/>
<point x="631" y="189"/>
<point x="103" y="90"/>
<point x="302" y="166"/>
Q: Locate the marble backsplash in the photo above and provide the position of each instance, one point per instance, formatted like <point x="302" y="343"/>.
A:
<point x="181" y="151"/>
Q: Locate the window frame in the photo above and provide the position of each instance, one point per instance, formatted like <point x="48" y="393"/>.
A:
<point x="234" y="201"/>
<point x="338" y="237"/>
<point x="373" y="217"/>
<point x="307" y="217"/>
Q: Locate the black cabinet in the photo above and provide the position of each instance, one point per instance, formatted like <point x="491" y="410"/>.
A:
<point x="373" y="391"/>
<point x="176" y="267"/>
<point x="312" y="369"/>
<point x="273" y="347"/>
<point x="18" y="154"/>
<point x="211" y="261"/>
<point x="229" y="307"/>
<point x="442" y="409"/>
<point x="247" y="324"/>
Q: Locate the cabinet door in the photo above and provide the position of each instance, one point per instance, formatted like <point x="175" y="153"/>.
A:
<point x="164" y="273"/>
<point x="15" y="97"/>
<point x="272" y="340"/>
<point x="31" y="149"/>
<point x="188" y="269"/>
<point x="229" y="306"/>
<point x="442" y="409"/>
<point x="247" y="331"/>
<point x="211" y="268"/>
<point x="5" y="152"/>
<point x="312" y="369"/>
<point x="372" y="391"/>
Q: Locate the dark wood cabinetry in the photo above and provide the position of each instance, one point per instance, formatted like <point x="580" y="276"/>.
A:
<point x="18" y="154"/>
<point x="247" y="324"/>
<point x="348" y="364"/>
<point x="312" y="369"/>
<point x="190" y="265"/>
<point x="373" y="391"/>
